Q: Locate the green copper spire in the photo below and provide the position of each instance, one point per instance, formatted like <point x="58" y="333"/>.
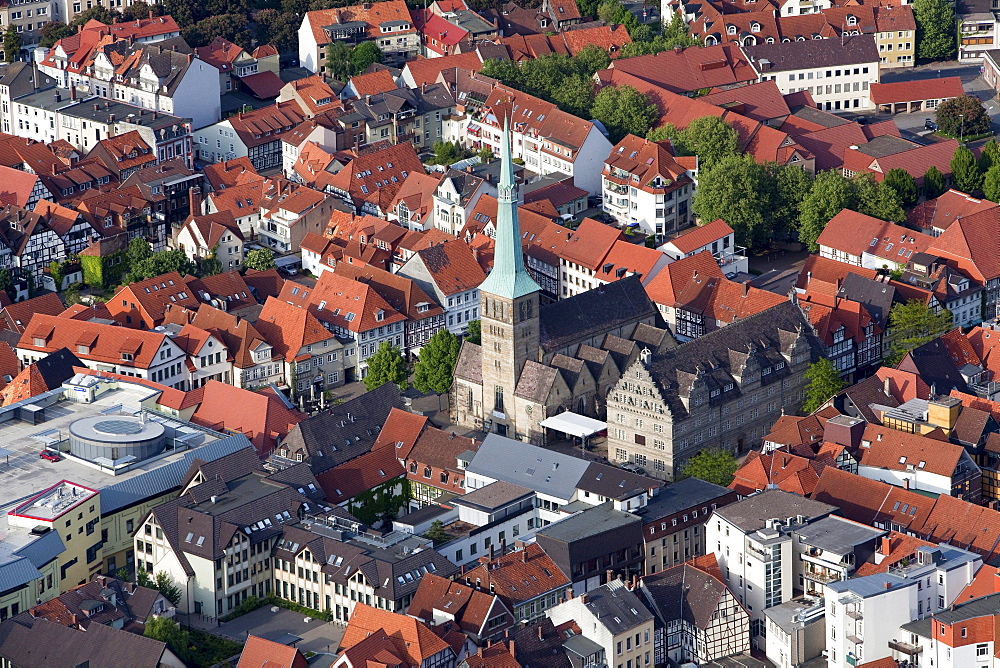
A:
<point x="508" y="278"/>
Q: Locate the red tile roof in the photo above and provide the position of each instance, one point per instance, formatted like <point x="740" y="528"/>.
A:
<point x="824" y="270"/>
<point x="264" y="85"/>
<point x="896" y="450"/>
<point x="427" y="70"/>
<point x="373" y="83"/>
<point x="869" y="501"/>
<point x="400" y="432"/>
<point x="261" y="416"/>
<point x="220" y="53"/>
<point x="106" y="342"/>
<point x="289" y="328"/>
<point x="591" y="243"/>
<point x="372" y="14"/>
<point x="916" y="160"/>
<point x="342" y="302"/>
<point x="360" y="474"/>
<point x="468" y="606"/>
<point x="264" y="125"/>
<point x="137" y="29"/>
<point x="942" y="211"/>
<point x="520" y="575"/>
<point x="261" y="653"/>
<point x="702" y="235"/>
<point x="855" y="233"/>
<point x="16" y="316"/>
<point x="452" y="266"/>
<point x="973" y="242"/>
<point x="917" y="90"/>
<point x="149" y="298"/>
<point x="761" y="102"/>
<point x="233" y="172"/>
<point x="690" y="69"/>
<point x="986" y="581"/>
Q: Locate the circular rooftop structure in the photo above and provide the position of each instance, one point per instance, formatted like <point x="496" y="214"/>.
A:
<point x="112" y="438"/>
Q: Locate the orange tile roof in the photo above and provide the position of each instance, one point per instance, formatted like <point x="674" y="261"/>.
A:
<point x="261" y="653"/>
<point x="137" y="29"/>
<point x="869" y="501"/>
<point x="452" y="266"/>
<point x="897" y="450"/>
<point x="470" y="607"/>
<point x="342" y="302"/>
<point x="360" y="474"/>
<point x="900" y="547"/>
<point x="690" y="69"/>
<point x="942" y="211"/>
<point x="106" y="342"/>
<point x="315" y="93"/>
<point x="233" y="172"/>
<point x="400" y="431"/>
<point x="904" y="385"/>
<point x="266" y="124"/>
<point x="373" y="83"/>
<point x="373" y="176"/>
<point x="973" y="242"/>
<point x="289" y="328"/>
<point x="854" y="232"/>
<point x="985" y="582"/>
<point x="152" y="296"/>
<point x="591" y="243"/>
<point x="413" y="640"/>
<point x="609" y="39"/>
<point x="220" y="53"/>
<point x="373" y="14"/>
<point x="536" y="116"/>
<point x="16" y="316"/>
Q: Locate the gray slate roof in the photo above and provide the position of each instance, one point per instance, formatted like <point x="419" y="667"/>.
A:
<point x="530" y="466"/>
<point x="590" y="522"/>
<point x="752" y="513"/>
<point x="783" y="56"/>
<point x="617" y="608"/>
<point x="683" y="592"/>
<point x="679" y="496"/>
<point x="165" y="478"/>
<point x="871" y="585"/>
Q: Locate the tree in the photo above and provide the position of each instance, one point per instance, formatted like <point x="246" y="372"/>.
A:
<point x="140" y="10"/>
<point x="11" y="44"/>
<point x="233" y="27"/>
<point x="965" y="171"/>
<point x="209" y="266"/>
<point x="387" y="365"/>
<point x="53" y="31"/>
<point x="447" y="153"/>
<point x="338" y="60"/>
<point x="485" y="154"/>
<point x="990" y="155"/>
<point x="7" y="282"/>
<point x="710" y="138"/>
<point x="792" y="184"/>
<point x="277" y="28"/>
<point x="167" y="630"/>
<point x="913" y="324"/>
<point x="505" y="71"/>
<point x="473" y="332"/>
<point x="991" y="183"/>
<point x="962" y="116"/>
<point x="97" y="13"/>
<point x="259" y="259"/>
<point x="824" y="382"/>
<point x="905" y="185"/>
<point x="877" y="199"/>
<point x="161" y="263"/>
<point x="137" y="251"/>
<point x="663" y="133"/>
<point x="623" y="110"/>
<point x="741" y="192"/>
<point x="434" y="369"/>
<point x="935" y="29"/>
<point x="165" y="585"/>
<point x="365" y="55"/>
<point x="437" y="533"/>
<point x="830" y="194"/>
<point x="714" y="465"/>
<point x="142" y="578"/>
<point x="933" y="182"/>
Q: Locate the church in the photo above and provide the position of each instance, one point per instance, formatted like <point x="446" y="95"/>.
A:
<point x="536" y="361"/>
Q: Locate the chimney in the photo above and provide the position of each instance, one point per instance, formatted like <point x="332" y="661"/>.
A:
<point x="194" y="200"/>
<point x="635" y="582"/>
<point x="886" y="546"/>
<point x="74" y="620"/>
<point x="583" y="598"/>
<point x="887" y="386"/>
<point x="569" y="594"/>
<point x="609" y="575"/>
<point x="510" y="647"/>
<point x="524" y="555"/>
<point x="887" y="585"/>
<point x="72" y="91"/>
<point x="844" y="430"/>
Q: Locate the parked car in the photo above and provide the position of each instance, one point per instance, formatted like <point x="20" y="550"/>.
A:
<point x="861" y="120"/>
<point x="634" y="468"/>
<point x="50" y="455"/>
<point x="930" y="125"/>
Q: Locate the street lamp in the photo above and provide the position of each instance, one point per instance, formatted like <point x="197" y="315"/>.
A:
<point x="961" y="134"/>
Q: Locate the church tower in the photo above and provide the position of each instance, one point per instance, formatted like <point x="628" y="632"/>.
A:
<point x="508" y="304"/>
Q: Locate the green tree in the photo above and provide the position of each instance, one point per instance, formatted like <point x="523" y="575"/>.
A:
<point x="137" y="251"/>
<point x="277" y="28"/>
<point x="877" y="199"/>
<point x="741" y="192"/>
<point x="933" y="182"/>
<point x="53" y="31"/>
<point x="447" y="153"/>
<point x="713" y="465"/>
<point x="905" y="185"/>
<point x="831" y="193"/>
<point x="623" y="110"/>
<point x="473" y="332"/>
<point x="710" y="138"/>
<point x="437" y="533"/>
<point x="140" y="10"/>
<point x="935" y="29"/>
<point x="165" y="585"/>
<point x="962" y="116"/>
<point x="990" y="155"/>
<point x="233" y="27"/>
<point x="965" y="171"/>
<point x="161" y="263"/>
<point x="505" y="71"/>
<point x="387" y="365"/>
<point x="209" y="266"/>
<point x="11" y="44"/>
<point x="991" y="183"/>
<point x="142" y="578"/>
<point x="792" y="184"/>
<point x="433" y="371"/>
<point x="364" y="55"/>
<point x="663" y="133"/>
<point x="259" y="259"/>
<point x="575" y="95"/>
<point x="167" y="630"/>
<point x="824" y="382"/>
<point x="338" y="60"/>
<point x="485" y="155"/>
<point x="911" y="325"/>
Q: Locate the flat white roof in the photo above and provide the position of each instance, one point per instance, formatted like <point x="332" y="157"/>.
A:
<point x="574" y="424"/>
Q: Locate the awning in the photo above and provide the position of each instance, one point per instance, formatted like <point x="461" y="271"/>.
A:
<point x="574" y="424"/>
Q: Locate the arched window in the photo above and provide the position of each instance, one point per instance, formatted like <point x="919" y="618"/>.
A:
<point x="852" y="20"/>
<point x="711" y="41"/>
<point x="754" y="27"/>
<point x="731" y="30"/>
<point x="749" y="40"/>
<point x="800" y="38"/>
<point x="769" y="40"/>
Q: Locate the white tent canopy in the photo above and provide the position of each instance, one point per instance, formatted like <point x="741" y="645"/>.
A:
<point x="574" y="424"/>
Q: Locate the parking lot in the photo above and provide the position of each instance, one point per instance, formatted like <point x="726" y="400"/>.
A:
<point x="317" y="636"/>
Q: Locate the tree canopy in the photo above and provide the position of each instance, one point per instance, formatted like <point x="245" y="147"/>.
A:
<point x="364" y="55"/>
<point x="52" y="32"/>
<point x="991" y="183"/>
<point x="11" y="44"/>
<point x="935" y="29"/>
<point x="387" y="365"/>
<point x="623" y="110"/>
<point x="911" y="325"/>
<point x="824" y="382"/>
<point x="714" y="465"/>
<point x="435" y="367"/>
<point x="965" y="171"/>
<point x="832" y="192"/>
<point x="905" y="185"/>
<point x="962" y="116"/>
<point x="933" y="182"/>
<point x="259" y="259"/>
<point x="473" y="332"/>
<point x="708" y="137"/>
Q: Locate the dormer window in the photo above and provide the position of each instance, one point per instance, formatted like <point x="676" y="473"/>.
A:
<point x="754" y="27"/>
<point x="852" y="20"/>
<point x="730" y="30"/>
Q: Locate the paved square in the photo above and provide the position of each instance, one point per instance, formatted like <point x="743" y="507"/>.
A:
<point x="316" y="635"/>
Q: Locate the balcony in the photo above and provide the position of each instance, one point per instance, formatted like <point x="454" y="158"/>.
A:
<point x="905" y="647"/>
<point x="855" y="615"/>
<point x="855" y="640"/>
<point x="822" y="576"/>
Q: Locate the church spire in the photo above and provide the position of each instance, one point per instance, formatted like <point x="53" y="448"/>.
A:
<point x="508" y="278"/>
